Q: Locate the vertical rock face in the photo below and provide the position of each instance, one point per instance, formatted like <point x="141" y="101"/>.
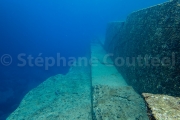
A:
<point x="146" y="48"/>
<point x="114" y="32"/>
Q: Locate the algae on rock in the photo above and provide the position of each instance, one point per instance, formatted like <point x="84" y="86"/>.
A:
<point x="163" y="107"/>
<point x="61" y="97"/>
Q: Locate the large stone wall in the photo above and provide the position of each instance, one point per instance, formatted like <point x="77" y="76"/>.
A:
<point x="146" y="48"/>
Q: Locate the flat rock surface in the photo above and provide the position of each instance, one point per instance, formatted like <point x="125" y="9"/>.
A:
<point x="113" y="99"/>
<point x="117" y="103"/>
<point x="163" y="107"/>
<point x="61" y="97"/>
<point x="103" y="70"/>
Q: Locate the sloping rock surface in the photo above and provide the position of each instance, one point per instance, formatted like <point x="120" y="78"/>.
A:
<point x="163" y="107"/>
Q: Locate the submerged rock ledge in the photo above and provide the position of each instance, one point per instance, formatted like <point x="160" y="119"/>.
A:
<point x="163" y="107"/>
<point x="60" y="97"/>
<point x="113" y="99"/>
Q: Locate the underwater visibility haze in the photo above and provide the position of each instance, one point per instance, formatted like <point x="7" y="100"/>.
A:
<point x="45" y="28"/>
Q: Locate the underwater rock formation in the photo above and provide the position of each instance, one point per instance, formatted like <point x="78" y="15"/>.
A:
<point x="163" y="107"/>
<point x="117" y="103"/>
<point x="113" y="99"/>
<point x="151" y="32"/>
<point x="61" y="97"/>
<point x="146" y="48"/>
<point x="98" y="93"/>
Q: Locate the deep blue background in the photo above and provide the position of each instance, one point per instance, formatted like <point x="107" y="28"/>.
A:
<point x="50" y="27"/>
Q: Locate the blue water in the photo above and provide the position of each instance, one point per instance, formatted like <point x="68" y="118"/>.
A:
<point x="47" y="27"/>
